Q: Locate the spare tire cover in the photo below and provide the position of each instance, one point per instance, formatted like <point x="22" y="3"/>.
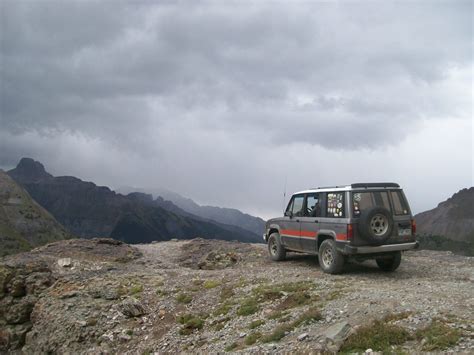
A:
<point x="376" y="225"/>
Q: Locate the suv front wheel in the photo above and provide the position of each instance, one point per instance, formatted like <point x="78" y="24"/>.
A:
<point x="276" y="250"/>
<point x="331" y="260"/>
<point x="390" y="263"/>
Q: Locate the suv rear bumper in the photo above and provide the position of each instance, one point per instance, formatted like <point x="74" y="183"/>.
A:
<point x="351" y="250"/>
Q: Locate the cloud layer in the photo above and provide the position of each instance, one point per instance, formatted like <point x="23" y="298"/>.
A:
<point x="221" y="101"/>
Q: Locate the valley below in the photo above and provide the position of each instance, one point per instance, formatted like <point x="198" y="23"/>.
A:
<point x="104" y="296"/>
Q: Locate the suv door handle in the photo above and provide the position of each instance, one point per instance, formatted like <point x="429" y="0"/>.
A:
<point x="297" y="220"/>
<point x="316" y="221"/>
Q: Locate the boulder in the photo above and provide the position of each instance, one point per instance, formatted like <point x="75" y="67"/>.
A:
<point x="132" y="308"/>
<point x="65" y="262"/>
<point x="16" y="287"/>
<point x="19" y="311"/>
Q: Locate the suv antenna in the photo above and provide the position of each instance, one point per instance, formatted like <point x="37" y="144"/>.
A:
<point x="284" y="193"/>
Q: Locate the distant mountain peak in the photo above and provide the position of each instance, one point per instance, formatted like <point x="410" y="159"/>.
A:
<point x="29" y="170"/>
<point x="452" y="219"/>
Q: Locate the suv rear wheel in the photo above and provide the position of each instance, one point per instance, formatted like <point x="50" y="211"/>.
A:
<point x="276" y="250"/>
<point x="390" y="263"/>
<point x="331" y="260"/>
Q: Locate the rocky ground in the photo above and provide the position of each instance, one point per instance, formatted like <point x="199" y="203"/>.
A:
<point x="102" y="296"/>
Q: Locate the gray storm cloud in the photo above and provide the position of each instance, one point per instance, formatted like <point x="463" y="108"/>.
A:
<point x="203" y="96"/>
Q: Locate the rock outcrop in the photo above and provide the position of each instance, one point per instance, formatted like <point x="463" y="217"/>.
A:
<point x="449" y="226"/>
<point x="109" y="297"/>
<point x="27" y="277"/>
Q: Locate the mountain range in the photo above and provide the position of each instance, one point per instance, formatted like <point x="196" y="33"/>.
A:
<point x="32" y="202"/>
<point x="88" y="210"/>
<point x="224" y="215"/>
<point x="23" y="223"/>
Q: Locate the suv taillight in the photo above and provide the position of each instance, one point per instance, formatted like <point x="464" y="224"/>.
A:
<point x="413" y="227"/>
<point x="350" y="232"/>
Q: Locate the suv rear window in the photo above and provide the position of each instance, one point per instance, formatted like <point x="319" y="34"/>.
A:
<point x="399" y="203"/>
<point x="364" y="200"/>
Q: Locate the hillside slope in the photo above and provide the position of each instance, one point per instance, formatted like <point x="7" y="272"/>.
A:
<point x="23" y="223"/>
<point x="449" y="226"/>
<point x="453" y="218"/>
<point x="88" y="210"/>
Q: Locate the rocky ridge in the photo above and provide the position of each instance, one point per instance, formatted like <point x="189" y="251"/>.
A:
<point x="453" y="219"/>
<point x="103" y="296"/>
<point x="229" y="216"/>
<point x="87" y="210"/>
<point x="23" y="223"/>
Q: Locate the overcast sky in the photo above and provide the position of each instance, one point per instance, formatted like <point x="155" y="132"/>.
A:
<point x="222" y="102"/>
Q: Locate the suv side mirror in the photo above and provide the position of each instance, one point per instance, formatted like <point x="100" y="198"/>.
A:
<point x="288" y="214"/>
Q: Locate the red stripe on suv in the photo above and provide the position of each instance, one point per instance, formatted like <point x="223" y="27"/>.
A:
<point x="342" y="236"/>
<point x="297" y="233"/>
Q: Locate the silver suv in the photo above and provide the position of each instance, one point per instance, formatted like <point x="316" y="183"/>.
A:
<point x="362" y="221"/>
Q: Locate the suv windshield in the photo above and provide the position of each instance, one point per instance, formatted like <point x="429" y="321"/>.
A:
<point x="367" y="199"/>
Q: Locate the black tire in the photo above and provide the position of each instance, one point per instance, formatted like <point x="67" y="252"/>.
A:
<point x="331" y="260"/>
<point x="275" y="249"/>
<point x="390" y="263"/>
<point x="376" y="225"/>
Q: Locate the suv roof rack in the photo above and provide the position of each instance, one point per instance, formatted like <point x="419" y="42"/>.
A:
<point x="374" y="184"/>
<point x="329" y="187"/>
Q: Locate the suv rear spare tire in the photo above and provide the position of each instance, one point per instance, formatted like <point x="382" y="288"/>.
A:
<point x="331" y="260"/>
<point x="276" y="250"/>
<point x="376" y="225"/>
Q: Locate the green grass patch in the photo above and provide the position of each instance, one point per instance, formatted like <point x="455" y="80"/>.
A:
<point x="190" y="323"/>
<point x="161" y="292"/>
<point x="219" y="323"/>
<point x="129" y="288"/>
<point x="276" y="291"/>
<point x="438" y="336"/>
<point x="296" y="299"/>
<point x="333" y="295"/>
<point x="231" y="347"/>
<point x="393" y="317"/>
<point x="252" y="338"/>
<point x="248" y="306"/>
<point x="208" y="284"/>
<point x="378" y="336"/>
<point x="256" y="323"/>
<point x="137" y="288"/>
<point x="184" y="298"/>
<point x="277" y="334"/>
<point x="222" y="310"/>
<point x="277" y="315"/>
<point x="226" y="293"/>
<point x="310" y="316"/>
<point x="266" y="292"/>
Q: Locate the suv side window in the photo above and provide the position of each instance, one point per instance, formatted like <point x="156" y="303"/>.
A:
<point x="313" y="206"/>
<point x="297" y="206"/>
<point x="335" y="205"/>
